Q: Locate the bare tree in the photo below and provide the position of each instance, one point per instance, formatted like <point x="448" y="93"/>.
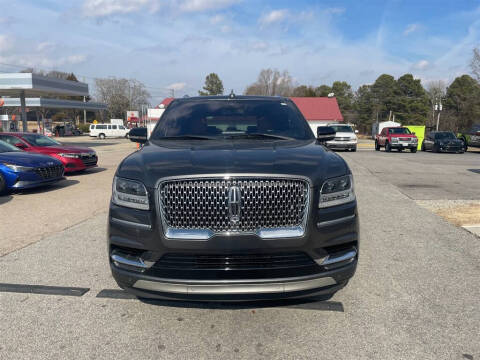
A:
<point x="436" y="90"/>
<point x="121" y="95"/>
<point x="475" y="63"/>
<point x="271" y="82"/>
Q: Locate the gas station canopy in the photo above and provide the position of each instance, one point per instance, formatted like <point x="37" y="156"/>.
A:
<point x="55" y="104"/>
<point x="30" y="89"/>
<point x="37" y="85"/>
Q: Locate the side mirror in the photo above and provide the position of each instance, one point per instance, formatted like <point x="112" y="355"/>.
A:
<point x="413" y="133"/>
<point x="138" y="135"/>
<point x="325" y="133"/>
<point x="356" y="131"/>
<point x="21" y="145"/>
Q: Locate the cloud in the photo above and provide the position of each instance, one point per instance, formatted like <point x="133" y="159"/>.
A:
<point x="274" y="16"/>
<point x="177" y="86"/>
<point x="101" y="8"/>
<point x="5" y="43"/>
<point x="421" y="65"/>
<point x="411" y="28"/>
<point x="203" y="5"/>
<point x="46" y="45"/>
<point x="217" y="19"/>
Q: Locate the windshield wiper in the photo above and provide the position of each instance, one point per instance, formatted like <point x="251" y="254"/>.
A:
<point x="259" y="136"/>
<point x="185" y="137"/>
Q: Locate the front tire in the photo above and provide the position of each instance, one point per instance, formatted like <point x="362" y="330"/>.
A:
<point x="465" y="146"/>
<point x="354" y="149"/>
<point x="423" y="146"/>
<point x="436" y="148"/>
<point x="101" y="136"/>
<point x="377" y="146"/>
<point x="388" y="147"/>
<point x="3" y="185"/>
<point x="413" y="150"/>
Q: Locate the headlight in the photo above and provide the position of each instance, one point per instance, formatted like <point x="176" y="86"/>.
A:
<point x="337" y="191"/>
<point x="394" y="139"/>
<point x="17" y="168"/>
<point x="130" y="193"/>
<point x="67" y="155"/>
<point x="415" y="140"/>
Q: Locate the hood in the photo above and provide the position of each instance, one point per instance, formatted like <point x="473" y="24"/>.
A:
<point x="22" y="158"/>
<point x="183" y="158"/>
<point x="63" y="149"/>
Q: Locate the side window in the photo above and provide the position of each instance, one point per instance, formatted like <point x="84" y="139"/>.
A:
<point x="12" y="140"/>
<point x="109" y="127"/>
<point x="114" y="127"/>
<point x="92" y="127"/>
<point x="121" y="127"/>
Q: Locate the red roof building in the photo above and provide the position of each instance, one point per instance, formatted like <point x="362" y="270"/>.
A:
<point x="165" y="102"/>
<point x="319" y="109"/>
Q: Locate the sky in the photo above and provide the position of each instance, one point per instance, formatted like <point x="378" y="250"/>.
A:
<point x="174" y="44"/>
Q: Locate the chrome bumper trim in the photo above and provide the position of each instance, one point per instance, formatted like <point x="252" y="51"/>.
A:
<point x="349" y="255"/>
<point x="264" y="233"/>
<point x="336" y="221"/>
<point x="131" y="223"/>
<point x="121" y="260"/>
<point x="220" y="289"/>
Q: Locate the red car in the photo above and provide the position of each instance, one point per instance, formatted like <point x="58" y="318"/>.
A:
<point x="73" y="158"/>
<point x="396" y="138"/>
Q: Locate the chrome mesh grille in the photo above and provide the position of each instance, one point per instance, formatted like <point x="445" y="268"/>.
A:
<point x="266" y="203"/>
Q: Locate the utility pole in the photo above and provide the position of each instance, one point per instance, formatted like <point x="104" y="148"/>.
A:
<point x="172" y="93"/>
<point x="84" y="111"/>
<point x="439" y="108"/>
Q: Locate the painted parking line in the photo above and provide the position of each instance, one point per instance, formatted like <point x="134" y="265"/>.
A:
<point x="42" y="289"/>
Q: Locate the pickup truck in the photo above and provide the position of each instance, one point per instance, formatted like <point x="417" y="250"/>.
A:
<point x="396" y="138"/>
<point x="470" y="137"/>
<point x="233" y="198"/>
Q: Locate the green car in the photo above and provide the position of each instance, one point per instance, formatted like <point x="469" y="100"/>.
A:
<point x="470" y="137"/>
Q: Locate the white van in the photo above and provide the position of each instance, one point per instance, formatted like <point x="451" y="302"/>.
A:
<point x="108" y="130"/>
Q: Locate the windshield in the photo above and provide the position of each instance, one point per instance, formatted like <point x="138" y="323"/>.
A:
<point x="399" y="131"/>
<point x="445" y="135"/>
<point x="232" y="118"/>
<point x="6" y="147"/>
<point x="39" y="140"/>
<point x="342" y="128"/>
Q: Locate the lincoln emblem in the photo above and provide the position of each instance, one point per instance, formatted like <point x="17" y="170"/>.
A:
<point x="234" y="203"/>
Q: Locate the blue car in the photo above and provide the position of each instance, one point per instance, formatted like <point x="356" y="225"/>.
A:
<point x="23" y="170"/>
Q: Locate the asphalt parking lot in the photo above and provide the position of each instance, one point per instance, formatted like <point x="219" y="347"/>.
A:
<point x="415" y="295"/>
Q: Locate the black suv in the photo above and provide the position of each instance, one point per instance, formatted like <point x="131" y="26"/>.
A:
<point x="233" y="198"/>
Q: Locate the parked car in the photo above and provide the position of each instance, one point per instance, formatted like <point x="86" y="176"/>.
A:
<point x="233" y="200"/>
<point x="73" y="158"/>
<point x="345" y="138"/>
<point x="22" y="170"/>
<point x="396" y="138"/>
<point x="470" y="137"/>
<point x="108" y="130"/>
<point x="442" y="141"/>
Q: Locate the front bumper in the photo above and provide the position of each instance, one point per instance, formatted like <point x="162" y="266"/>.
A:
<point x="74" y="165"/>
<point x="242" y="290"/>
<point x="404" y="145"/>
<point x="26" y="184"/>
<point x="451" y="148"/>
<point x="330" y="233"/>
<point x="341" y="145"/>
